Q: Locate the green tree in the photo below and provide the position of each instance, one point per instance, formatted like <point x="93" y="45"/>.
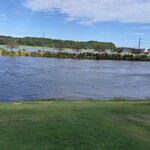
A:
<point x="99" y="47"/>
<point x="77" y="47"/>
<point x="118" y="50"/>
<point x="59" y="46"/>
<point x="12" y="44"/>
<point x="135" y="51"/>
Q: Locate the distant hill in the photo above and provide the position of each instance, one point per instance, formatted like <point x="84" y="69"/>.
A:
<point x="54" y="43"/>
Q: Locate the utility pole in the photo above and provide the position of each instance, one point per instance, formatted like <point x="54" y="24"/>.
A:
<point x="139" y="46"/>
<point x="43" y="43"/>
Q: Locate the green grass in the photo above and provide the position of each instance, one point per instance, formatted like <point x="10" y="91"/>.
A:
<point x="75" y="125"/>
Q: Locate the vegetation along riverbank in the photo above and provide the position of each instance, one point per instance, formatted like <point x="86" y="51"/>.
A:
<point x="98" y="50"/>
<point x="76" y="55"/>
<point x="75" y="125"/>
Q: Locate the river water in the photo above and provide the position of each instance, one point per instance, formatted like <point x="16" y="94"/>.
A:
<point x="27" y="78"/>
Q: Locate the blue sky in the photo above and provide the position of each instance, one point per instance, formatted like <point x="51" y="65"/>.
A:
<point x="122" y="22"/>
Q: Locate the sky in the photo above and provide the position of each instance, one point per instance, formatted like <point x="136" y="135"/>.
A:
<point x="122" y="22"/>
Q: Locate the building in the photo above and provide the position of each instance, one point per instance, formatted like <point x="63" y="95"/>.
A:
<point x="147" y="51"/>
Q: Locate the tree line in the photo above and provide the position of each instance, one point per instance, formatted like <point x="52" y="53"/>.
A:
<point x="55" y="43"/>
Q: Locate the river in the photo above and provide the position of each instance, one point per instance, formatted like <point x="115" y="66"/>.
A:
<point x="28" y="78"/>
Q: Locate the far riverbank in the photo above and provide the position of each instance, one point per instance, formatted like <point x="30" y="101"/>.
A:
<point x="76" y="55"/>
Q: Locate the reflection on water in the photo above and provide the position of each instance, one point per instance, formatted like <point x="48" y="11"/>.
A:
<point x="26" y="78"/>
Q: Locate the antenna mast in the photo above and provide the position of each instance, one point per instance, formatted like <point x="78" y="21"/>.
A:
<point x="139" y="46"/>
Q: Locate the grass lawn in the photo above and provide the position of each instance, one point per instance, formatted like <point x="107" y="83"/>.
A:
<point x="75" y="125"/>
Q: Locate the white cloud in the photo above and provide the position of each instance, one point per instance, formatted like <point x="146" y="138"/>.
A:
<point x="93" y="11"/>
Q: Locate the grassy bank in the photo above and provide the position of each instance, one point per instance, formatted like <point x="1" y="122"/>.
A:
<point x="75" y="125"/>
<point x="87" y="55"/>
